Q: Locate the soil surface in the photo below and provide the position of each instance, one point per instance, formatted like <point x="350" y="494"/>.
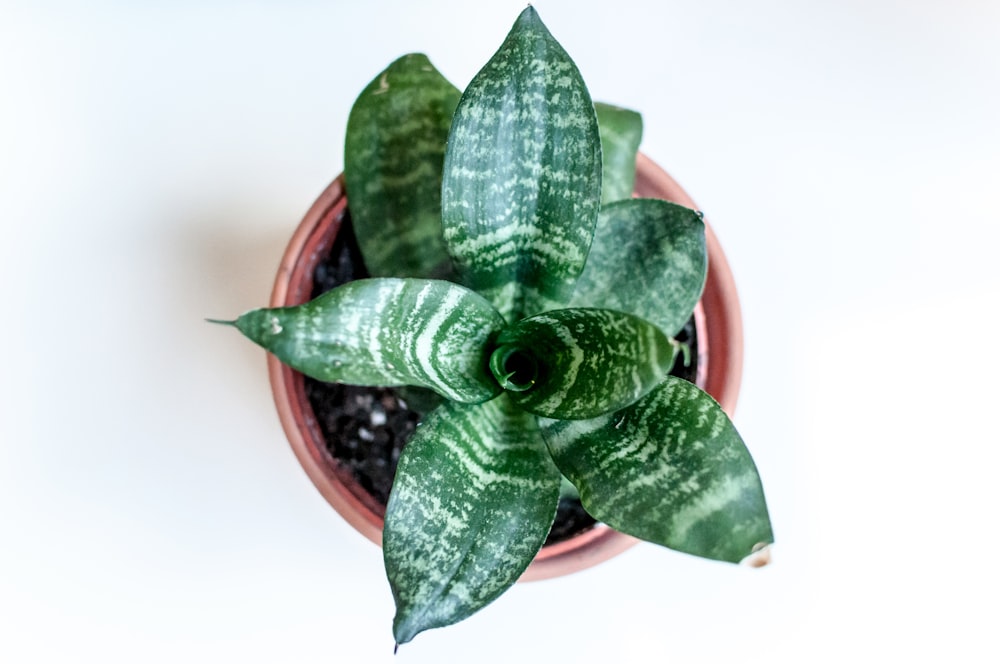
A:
<point x="367" y="427"/>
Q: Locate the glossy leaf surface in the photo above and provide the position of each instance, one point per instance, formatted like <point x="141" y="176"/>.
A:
<point x="393" y="159"/>
<point x="621" y="133"/>
<point x="522" y="175"/>
<point x="474" y="497"/>
<point x="387" y="332"/>
<point x="648" y="259"/>
<point x="581" y="363"/>
<point x="670" y="469"/>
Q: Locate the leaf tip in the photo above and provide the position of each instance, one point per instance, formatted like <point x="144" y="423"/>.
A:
<point x="760" y="556"/>
<point x="216" y="321"/>
<point x="404" y="627"/>
<point x="528" y="16"/>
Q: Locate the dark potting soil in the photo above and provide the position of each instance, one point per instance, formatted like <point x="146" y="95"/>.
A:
<point x="366" y="427"/>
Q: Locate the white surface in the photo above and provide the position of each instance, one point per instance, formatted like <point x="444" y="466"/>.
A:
<point x="154" y="158"/>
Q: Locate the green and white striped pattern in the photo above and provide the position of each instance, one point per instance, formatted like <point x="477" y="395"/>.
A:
<point x="473" y="500"/>
<point x="621" y="133"/>
<point x="648" y="259"/>
<point x="393" y="158"/>
<point x="590" y="361"/>
<point x="558" y="329"/>
<point x="387" y="332"/>
<point x="522" y="174"/>
<point x="670" y="469"/>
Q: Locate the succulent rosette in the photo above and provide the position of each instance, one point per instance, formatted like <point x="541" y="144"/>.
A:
<point x="515" y="276"/>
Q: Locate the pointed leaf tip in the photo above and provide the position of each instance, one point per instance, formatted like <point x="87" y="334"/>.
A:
<point x="529" y="19"/>
<point x="761" y="556"/>
<point x="216" y="321"/>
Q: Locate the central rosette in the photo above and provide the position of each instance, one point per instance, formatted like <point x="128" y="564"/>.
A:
<point x="515" y="368"/>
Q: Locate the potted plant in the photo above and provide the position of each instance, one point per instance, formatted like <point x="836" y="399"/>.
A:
<point x="534" y="306"/>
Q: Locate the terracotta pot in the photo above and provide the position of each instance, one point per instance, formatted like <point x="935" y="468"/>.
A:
<point x="720" y="357"/>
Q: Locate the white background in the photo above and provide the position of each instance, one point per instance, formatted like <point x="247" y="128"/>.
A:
<point x="155" y="157"/>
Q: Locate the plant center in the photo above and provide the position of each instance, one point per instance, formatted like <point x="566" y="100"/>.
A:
<point x="515" y="368"/>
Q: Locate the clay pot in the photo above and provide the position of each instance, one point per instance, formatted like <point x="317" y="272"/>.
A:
<point x="720" y="357"/>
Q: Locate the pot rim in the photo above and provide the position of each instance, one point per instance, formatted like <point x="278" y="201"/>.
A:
<point x="720" y="357"/>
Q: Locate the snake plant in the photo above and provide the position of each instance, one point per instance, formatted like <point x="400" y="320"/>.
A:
<point x="514" y="275"/>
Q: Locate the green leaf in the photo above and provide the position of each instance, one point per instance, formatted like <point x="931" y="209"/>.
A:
<point x="419" y="399"/>
<point x="522" y="175"/>
<point x="393" y="157"/>
<point x="670" y="469"/>
<point x="580" y="363"/>
<point x="621" y="132"/>
<point x="473" y="500"/>
<point x="387" y="332"/>
<point x="648" y="259"/>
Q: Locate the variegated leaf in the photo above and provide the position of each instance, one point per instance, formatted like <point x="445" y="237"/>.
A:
<point x="522" y="176"/>
<point x="387" y="332"/>
<point x="670" y="469"/>
<point x="473" y="500"/>
<point x="419" y="399"/>
<point x="393" y="157"/>
<point x="580" y="363"/>
<point x="648" y="259"/>
<point x="621" y="132"/>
